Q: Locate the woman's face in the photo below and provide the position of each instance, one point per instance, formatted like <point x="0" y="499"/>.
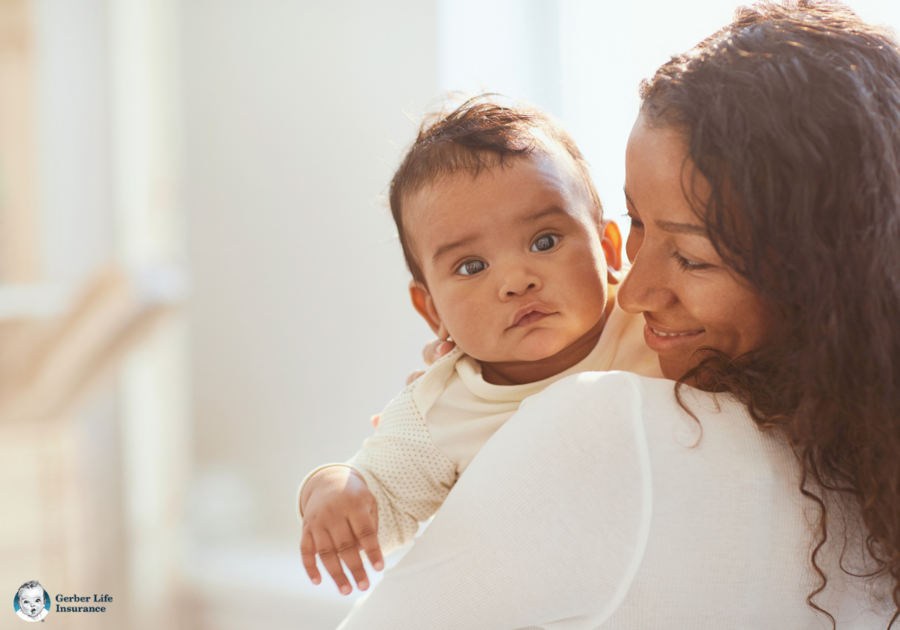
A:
<point x="689" y="299"/>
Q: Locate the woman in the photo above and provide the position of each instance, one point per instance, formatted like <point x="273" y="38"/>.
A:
<point x="763" y="490"/>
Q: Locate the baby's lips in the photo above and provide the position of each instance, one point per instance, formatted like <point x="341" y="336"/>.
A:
<point x="534" y="307"/>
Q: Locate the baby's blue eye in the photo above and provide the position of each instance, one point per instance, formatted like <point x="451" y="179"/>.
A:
<point x="547" y="241"/>
<point x="471" y="267"/>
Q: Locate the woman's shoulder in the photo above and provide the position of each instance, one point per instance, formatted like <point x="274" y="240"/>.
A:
<point x="590" y="383"/>
<point x="674" y="425"/>
<point x="582" y="397"/>
<point x="593" y="420"/>
<point x="603" y="406"/>
<point x="656" y="395"/>
<point x="614" y="386"/>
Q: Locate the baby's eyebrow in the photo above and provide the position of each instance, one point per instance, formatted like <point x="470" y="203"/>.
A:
<point x="443" y="249"/>
<point x="540" y="214"/>
<point x="546" y="212"/>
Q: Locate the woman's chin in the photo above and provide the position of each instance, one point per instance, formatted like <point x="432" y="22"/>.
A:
<point x="673" y="369"/>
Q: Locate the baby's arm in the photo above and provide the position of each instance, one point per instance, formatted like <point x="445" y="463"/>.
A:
<point x="399" y="469"/>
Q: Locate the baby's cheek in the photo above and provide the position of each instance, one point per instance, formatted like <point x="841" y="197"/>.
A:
<point x="588" y="290"/>
<point x="467" y="325"/>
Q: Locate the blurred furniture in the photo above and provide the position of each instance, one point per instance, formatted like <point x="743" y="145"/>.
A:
<point x="62" y="524"/>
<point x="18" y="162"/>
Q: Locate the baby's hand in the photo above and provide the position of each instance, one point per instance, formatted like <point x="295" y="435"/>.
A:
<point x="434" y="350"/>
<point x="340" y="517"/>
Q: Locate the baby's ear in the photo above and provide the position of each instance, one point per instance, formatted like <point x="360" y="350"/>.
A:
<point x="424" y="305"/>
<point x="611" y="241"/>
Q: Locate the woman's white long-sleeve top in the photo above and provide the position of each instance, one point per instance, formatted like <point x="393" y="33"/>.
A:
<point x="602" y="504"/>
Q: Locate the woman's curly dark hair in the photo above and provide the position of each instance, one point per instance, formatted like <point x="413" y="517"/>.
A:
<point x="792" y="113"/>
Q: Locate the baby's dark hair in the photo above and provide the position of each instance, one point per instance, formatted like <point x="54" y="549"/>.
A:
<point x="479" y="134"/>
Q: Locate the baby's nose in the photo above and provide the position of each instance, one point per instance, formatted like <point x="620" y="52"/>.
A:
<point x="518" y="282"/>
<point x="513" y="292"/>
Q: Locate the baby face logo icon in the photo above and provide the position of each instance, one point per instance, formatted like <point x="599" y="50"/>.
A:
<point x="32" y="602"/>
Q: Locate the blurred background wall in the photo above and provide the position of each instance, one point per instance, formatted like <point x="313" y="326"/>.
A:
<point x="201" y="292"/>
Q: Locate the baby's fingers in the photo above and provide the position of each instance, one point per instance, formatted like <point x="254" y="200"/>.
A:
<point x="412" y="376"/>
<point x="329" y="555"/>
<point x="435" y="349"/>
<point x="365" y="529"/>
<point x="347" y="548"/>
<point x="308" y="553"/>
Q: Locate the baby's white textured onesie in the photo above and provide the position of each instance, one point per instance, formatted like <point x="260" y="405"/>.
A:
<point x="432" y="430"/>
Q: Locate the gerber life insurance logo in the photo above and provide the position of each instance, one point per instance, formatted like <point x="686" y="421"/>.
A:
<point x="32" y="602"/>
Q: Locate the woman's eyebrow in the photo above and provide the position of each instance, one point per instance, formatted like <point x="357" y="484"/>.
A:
<point x="671" y="226"/>
<point x="681" y="228"/>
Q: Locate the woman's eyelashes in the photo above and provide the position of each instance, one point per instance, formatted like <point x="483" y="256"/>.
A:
<point x="544" y="243"/>
<point x="687" y="264"/>
<point x="471" y="267"/>
<point x="635" y="222"/>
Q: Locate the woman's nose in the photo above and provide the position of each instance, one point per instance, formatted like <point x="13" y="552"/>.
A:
<point x="647" y="286"/>
<point x="517" y="281"/>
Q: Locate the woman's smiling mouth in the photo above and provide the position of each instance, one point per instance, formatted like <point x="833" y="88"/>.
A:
<point x="662" y="340"/>
<point x="666" y="334"/>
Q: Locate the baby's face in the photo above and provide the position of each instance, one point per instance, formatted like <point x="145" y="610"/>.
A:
<point x="512" y="258"/>
<point x="31" y="601"/>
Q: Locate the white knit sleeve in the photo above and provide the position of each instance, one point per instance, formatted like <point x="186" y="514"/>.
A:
<point x="406" y="472"/>
<point x="547" y="527"/>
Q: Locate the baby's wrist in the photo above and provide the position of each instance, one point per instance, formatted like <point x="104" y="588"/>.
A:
<point x="327" y="478"/>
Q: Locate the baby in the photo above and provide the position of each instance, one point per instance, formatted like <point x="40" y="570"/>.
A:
<point x="503" y="232"/>
<point x="30" y="597"/>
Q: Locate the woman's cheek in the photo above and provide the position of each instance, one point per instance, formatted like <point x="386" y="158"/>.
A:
<point x="632" y="245"/>
<point x="734" y="318"/>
